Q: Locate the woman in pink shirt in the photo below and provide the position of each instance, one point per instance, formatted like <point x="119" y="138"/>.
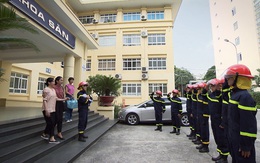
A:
<point x="49" y="103"/>
<point x="69" y="91"/>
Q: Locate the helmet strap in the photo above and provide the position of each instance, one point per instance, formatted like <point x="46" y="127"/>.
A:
<point x="235" y="81"/>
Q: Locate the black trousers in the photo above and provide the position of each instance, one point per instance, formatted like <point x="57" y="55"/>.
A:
<point x="219" y="135"/>
<point x="59" y="114"/>
<point x="204" y="130"/>
<point x="158" y="117"/>
<point x="190" y="121"/>
<point x="176" y="120"/>
<point x="50" y="123"/>
<point x="83" y="119"/>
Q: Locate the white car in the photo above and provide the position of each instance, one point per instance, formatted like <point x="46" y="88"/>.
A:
<point x="144" y="112"/>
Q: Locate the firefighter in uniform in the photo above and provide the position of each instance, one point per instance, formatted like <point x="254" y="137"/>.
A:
<point x="176" y="110"/>
<point x="242" y="124"/>
<point x="203" y="116"/>
<point x="159" y="108"/>
<point x="215" y="108"/>
<point x="188" y="106"/>
<point x="83" y="103"/>
<point x="196" y="137"/>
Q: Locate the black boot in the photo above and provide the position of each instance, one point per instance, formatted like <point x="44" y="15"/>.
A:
<point x="222" y="160"/>
<point x="81" y="138"/>
<point x="160" y="128"/>
<point x="84" y="136"/>
<point x="157" y="129"/>
<point x="192" y="137"/>
<point x="178" y="132"/>
<point x="173" y="131"/>
<point x="217" y="158"/>
<point x="199" y="146"/>
<point x="204" y="149"/>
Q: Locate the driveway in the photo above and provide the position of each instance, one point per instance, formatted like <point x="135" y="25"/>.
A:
<point x="141" y="144"/>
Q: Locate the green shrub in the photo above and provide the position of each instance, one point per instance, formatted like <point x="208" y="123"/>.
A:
<point x="117" y="108"/>
<point x="256" y="96"/>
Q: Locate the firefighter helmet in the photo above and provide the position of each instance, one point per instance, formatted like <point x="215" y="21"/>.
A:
<point x="158" y="92"/>
<point x="213" y="82"/>
<point x="238" y="69"/>
<point x="201" y="85"/>
<point x="82" y="83"/>
<point x="175" y="91"/>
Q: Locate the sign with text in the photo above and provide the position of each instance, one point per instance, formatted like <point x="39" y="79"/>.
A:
<point x="38" y="14"/>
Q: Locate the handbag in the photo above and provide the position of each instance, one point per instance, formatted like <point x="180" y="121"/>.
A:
<point x="71" y="104"/>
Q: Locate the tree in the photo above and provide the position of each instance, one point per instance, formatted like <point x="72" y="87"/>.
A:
<point x="182" y="77"/>
<point x="211" y="73"/>
<point x="257" y="78"/>
<point x="9" y="20"/>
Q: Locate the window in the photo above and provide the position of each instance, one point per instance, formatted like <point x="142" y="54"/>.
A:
<point x="108" y="18"/>
<point x="131" y="40"/>
<point x="18" y="83"/>
<point x="106" y="64"/>
<point x="156" y="39"/>
<point x="237" y="41"/>
<point x="234" y="11"/>
<point x="131" y="64"/>
<point x="132" y="89"/>
<point x="88" y="65"/>
<point x="157" y="63"/>
<point x="41" y="85"/>
<point x="235" y="26"/>
<point x="132" y="16"/>
<point x="155" y="15"/>
<point x="158" y="86"/>
<point x="86" y="19"/>
<point x="107" y="40"/>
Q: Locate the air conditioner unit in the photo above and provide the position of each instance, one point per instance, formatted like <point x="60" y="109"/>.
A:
<point x="144" y="33"/>
<point x="144" y="69"/>
<point x="94" y="21"/>
<point x="144" y="76"/>
<point x="143" y="18"/>
<point x="118" y="76"/>
<point x="95" y="36"/>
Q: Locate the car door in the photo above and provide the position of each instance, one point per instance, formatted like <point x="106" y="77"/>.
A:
<point x="147" y="113"/>
<point x="167" y="113"/>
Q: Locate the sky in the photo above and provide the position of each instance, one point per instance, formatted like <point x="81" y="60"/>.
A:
<point x="192" y="38"/>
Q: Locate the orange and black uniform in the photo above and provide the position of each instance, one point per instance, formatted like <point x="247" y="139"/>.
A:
<point x="242" y="125"/>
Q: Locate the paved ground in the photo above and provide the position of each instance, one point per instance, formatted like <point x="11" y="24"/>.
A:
<point x="141" y="144"/>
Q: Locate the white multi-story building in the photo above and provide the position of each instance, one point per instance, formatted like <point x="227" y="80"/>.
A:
<point x="236" y="33"/>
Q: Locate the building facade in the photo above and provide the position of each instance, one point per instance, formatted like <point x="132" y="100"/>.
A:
<point x="130" y="40"/>
<point x="235" y="30"/>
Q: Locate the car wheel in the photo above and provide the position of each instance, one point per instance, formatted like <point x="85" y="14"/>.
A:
<point x="132" y="119"/>
<point x="184" y="120"/>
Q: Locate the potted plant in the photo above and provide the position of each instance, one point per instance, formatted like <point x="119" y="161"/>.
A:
<point x="106" y="87"/>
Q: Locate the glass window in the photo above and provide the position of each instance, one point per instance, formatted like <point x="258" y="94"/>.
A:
<point x="131" y="40"/>
<point x="88" y="65"/>
<point x="158" y="86"/>
<point x="132" y="64"/>
<point x="18" y="83"/>
<point x="41" y="85"/>
<point x="106" y="64"/>
<point x="107" y="40"/>
<point x="155" y="15"/>
<point x="86" y="19"/>
<point x="132" y="89"/>
<point x="156" y="39"/>
<point x="157" y="63"/>
<point x="106" y="18"/>
<point x="132" y="16"/>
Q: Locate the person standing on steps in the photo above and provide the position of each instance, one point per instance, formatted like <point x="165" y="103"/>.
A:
<point x="159" y="108"/>
<point x="49" y="103"/>
<point x="176" y="110"/>
<point x="69" y="91"/>
<point x="60" y="106"/>
<point x="84" y="101"/>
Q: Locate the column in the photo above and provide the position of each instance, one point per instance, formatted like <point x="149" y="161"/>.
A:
<point x="4" y="85"/>
<point x="78" y="72"/>
<point x="68" y="70"/>
<point x="119" y="17"/>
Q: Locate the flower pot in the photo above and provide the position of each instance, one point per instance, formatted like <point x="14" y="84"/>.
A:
<point x="106" y="100"/>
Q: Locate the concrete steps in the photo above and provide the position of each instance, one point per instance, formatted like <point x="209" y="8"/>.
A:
<point x="21" y="141"/>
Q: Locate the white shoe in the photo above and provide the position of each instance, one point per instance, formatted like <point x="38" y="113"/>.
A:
<point x="68" y="121"/>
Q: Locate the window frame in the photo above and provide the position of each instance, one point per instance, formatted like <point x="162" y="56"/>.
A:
<point x="22" y="85"/>
<point x="107" y="40"/>
<point x="131" y="89"/>
<point x="155" y="15"/>
<point x="131" y="16"/>
<point x="157" y="63"/>
<point x="156" y="39"/>
<point x="132" y="61"/>
<point x="106" y="63"/>
<point x="41" y="81"/>
<point x="152" y="87"/>
<point x="132" y="38"/>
